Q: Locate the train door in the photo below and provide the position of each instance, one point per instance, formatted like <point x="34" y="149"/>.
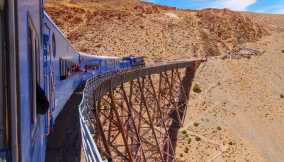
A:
<point x="52" y="48"/>
<point x="48" y="48"/>
<point x="46" y="71"/>
<point x="46" y="58"/>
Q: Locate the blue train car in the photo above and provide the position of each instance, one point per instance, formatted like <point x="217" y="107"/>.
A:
<point x="124" y="64"/>
<point x="99" y="64"/>
<point x="61" y="59"/>
<point x="32" y="58"/>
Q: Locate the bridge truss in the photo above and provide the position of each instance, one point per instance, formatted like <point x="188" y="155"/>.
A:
<point x="135" y="115"/>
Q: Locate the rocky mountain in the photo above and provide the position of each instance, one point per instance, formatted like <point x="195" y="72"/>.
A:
<point x="122" y="28"/>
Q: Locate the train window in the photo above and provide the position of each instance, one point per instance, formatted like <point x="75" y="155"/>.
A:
<point x="63" y="69"/>
<point x="53" y="45"/>
<point x="33" y="61"/>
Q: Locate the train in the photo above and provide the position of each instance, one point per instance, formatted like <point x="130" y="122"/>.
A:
<point x="37" y="63"/>
<point x="135" y="61"/>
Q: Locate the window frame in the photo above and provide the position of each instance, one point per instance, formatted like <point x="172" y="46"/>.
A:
<point x="34" y="68"/>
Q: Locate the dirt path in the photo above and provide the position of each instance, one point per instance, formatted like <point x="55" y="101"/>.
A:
<point x="241" y="106"/>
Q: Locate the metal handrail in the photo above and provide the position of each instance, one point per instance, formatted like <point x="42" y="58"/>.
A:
<point x="89" y="146"/>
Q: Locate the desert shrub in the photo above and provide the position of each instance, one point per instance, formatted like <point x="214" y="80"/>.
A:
<point x="231" y="143"/>
<point x="189" y="141"/>
<point x="281" y="96"/>
<point x="197" y="139"/>
<point x="181" y="155"/>
<point x="196" y="124"/>
<point x="184" y="132"/>
<point x="219" y="128"/>
<point x="186" y="150"/>
<point x="197" y="89"/>
<point x="282" y="51"/>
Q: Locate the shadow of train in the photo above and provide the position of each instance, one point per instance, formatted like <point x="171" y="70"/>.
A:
<point x="64" y="143"/>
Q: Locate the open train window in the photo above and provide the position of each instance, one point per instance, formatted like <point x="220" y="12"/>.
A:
<point x="34" y="64"/>
<point x="53" y="45"/>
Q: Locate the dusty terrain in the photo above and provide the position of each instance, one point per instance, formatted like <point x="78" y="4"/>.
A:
<point x="239" y="114"/>
<point x="130" y="27"/>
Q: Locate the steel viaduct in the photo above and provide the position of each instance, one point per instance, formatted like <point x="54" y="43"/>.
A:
<point x="130" y="116"/>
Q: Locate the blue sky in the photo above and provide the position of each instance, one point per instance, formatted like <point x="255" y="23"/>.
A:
<point x="266" y="6"/>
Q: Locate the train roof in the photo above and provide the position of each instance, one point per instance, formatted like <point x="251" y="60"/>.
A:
<point x="48" y="18"/>
<point x="98" y="57"/>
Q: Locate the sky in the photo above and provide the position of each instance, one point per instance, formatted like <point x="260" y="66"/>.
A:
<point x="264" y="6"/>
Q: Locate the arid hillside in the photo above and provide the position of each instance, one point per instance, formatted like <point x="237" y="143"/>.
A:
<point x="122" y="28"/>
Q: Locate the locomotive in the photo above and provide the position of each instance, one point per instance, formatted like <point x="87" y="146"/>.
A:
<point x="34" y="54"/>
<point x="135" y="61"/>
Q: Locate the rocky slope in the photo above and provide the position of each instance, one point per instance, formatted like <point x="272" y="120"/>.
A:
<point x="122" y="28"/>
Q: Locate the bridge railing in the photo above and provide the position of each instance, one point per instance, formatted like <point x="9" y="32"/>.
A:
<point x="89" y="146"/>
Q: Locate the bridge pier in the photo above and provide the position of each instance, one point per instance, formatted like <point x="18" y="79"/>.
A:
<point x="186" y="86"/>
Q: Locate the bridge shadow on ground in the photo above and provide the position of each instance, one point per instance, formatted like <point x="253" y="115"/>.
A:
<point x="64" y="142"/>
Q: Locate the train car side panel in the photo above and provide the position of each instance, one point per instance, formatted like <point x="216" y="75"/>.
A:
<point x="32" y="138"/>
<point x="63" y="59"/>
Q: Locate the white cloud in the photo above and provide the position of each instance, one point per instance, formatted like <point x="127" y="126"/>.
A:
<point x="277" y="8"/>
<point x="277" y="11"/>
<point x="237" y="5"/>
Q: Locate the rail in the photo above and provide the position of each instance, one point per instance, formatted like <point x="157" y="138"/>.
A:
<point x="97" y="86"/>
